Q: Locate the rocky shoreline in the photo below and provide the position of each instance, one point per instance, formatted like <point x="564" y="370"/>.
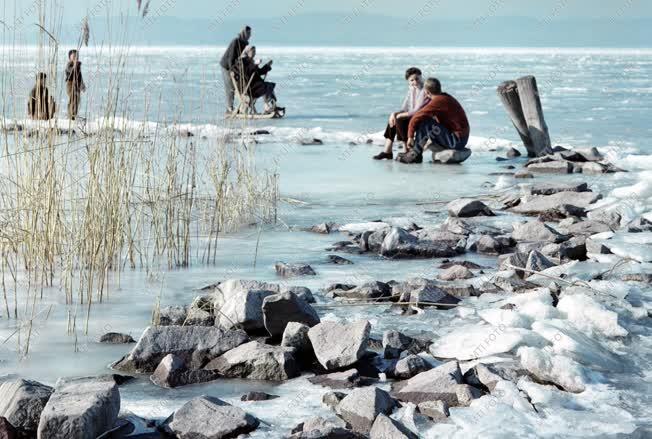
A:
<point x="538" y="324"/>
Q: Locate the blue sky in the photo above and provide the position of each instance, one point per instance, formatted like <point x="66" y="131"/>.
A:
<point x="471" y="9"/>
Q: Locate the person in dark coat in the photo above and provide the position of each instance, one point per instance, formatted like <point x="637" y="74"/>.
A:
<point x="74" y="83"/>
<point x="230" y="59"/>
<point x="41" y="105"/>
<point x="250" y="80"/>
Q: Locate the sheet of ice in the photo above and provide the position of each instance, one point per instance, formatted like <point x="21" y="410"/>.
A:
<point x="567" y="340"/>
<point x="557" y="369"/>
<point x="477" y="341"/>
<point x="589" y="315"/>
<point x="505" y="317"/>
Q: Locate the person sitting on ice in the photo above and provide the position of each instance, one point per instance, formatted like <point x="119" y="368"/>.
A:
<point x="399" y="120"/>
<point x="249" y="76"/>
<point x="440" y="124"/>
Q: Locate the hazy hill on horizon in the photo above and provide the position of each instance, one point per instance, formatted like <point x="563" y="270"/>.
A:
<point x="372" y="30"/>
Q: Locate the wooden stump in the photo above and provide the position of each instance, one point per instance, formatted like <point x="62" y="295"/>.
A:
<point x="533" y="112"/>
<point x="521" y="100"/>
<point x="508" y="93"/>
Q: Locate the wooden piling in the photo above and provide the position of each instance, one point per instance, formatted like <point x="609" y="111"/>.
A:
<point x="508" y="93"/>
<point x="533" y="112"/>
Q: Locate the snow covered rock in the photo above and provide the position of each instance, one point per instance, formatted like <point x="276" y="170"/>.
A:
<point x="210" y="418"/>
<point x="339" y="345"/>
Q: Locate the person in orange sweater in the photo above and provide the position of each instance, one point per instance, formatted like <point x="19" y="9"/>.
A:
<point x="441" y="124"/>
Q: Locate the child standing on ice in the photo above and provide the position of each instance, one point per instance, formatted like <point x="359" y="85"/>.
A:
<point x="74" y="83"/>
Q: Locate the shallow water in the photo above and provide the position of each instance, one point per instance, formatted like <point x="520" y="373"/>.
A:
<point x="591" y="98"/>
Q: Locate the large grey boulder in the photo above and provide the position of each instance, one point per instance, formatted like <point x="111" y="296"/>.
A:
<point x="435" y="410"/>
<point x="360" y="407"/>
<point x="172" y="315"/>
<point x="464" y="207"/>
<point x="398" y="243"/>
<point x="491" y="245"/>
<point x="172" y="372"/>
<point x="536" y="231"/>
<point x="541" y="204"/>
<point x="21" y="403"/>
<point x="430" y="295"/>
<point x="587" y="228"/>
<point x="440" y="383"/>
<point x="207" y="417"/>
<point x="339" y="345"/>
<point x="244" y="309"/>
<point x="197" y="345"/>
<point x="201" y="312"/>
<point x="513" y="261"/>
<point x="385" y="427"/>
<point x="281" y="309"/>
<point x="82" y="408"/>
<point x="296" y="336"/>
<point x="256" y="361"/>
<point x="538" y="262"/>
<point x="551" y="167"/>
<point x="116" y="338"/>
<point x="451" y="156"/>
<point x="320" y="428"/>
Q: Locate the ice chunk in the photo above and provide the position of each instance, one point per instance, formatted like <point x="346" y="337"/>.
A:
<point x="466" y="343"/>
<point x="506" y="317"/>
<point x="557" y="369"/>
<point x="355" y="228"/>
<point x="589" y="315"/>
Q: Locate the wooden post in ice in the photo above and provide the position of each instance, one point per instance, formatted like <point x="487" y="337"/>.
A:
<point x="521" y="99"/>
<point x="508" y="93"/>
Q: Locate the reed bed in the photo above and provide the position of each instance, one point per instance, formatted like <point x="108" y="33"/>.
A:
<point x="78" y="208"/>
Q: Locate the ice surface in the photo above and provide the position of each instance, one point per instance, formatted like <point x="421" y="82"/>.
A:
<point x="590" y="316"/>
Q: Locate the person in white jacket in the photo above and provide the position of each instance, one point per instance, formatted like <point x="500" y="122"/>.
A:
<point x="397" y="126"/>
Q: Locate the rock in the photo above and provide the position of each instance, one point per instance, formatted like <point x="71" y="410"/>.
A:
<point x="301" y="292"/>
<point x="400" y="244"/>
<point x="296" y="336"/>
<point x="410" y="366"/>
<point x="373" y="240"/>
<point x="82" y="408"/>
<point x="292" y="270"/>
<point x="466" y="394"/>
<point x="552" y="167"/>
<point x="463" y="208"/>
<point x="467" y="264"/>
<point x="172" y="316"/>
<point x="431" y="295"/>
<point x="368" y="290"/>
<point x="207" y="417"/>
<point x="553" y="188"/>
<point x="332" y="399"/>
<point x="491" y="245"/>
<point x="456" y="272"/>
<point x="596" y="247"/>
<point x="244" y="309"/>
<point x="536" y="231"/>
<point x="320" y="428"/>
<point x="523" y="173"/>
<point x="487" y="376"/>
<point x="281" y="309"/>
<point x="538" y="262"/>
<point x="394" y="239"/>
<point x="451" y="156"/>
<point x="256" y="361"/>
<point x="574" y="248"/>
<point x="338" y="380"/>
<point x="386" y="428"/>
<point x="609" y="217"/>
<point x="201" y="312"/>
<point x="639" y="225"/>
<point x="360" y="407"/>
<point x="513" y="153"/>
<point x="435" y="410"/>
<point x="323" y="228"/>
<point x="116" y="338"/>
<point x="338" y="260"/>
<point x="512" y="260"/>
<point x="597" y="168"/>
<point x="339" y="345"/>
<point x="7" y="431"/>
<point x="314" y="141"/>
<point x="196" y="344"/>
<point x="21" y="403"/>
<point x="587" y="228"/>
<point x="539" y="204"/>
<point x="172" y="372"/>
<point x="439" y="383"/>
<point x="257" y="396"/>
<point x="395" y="342"/>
